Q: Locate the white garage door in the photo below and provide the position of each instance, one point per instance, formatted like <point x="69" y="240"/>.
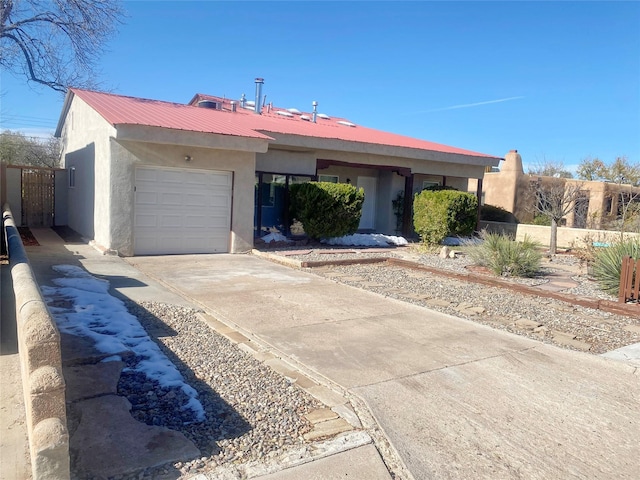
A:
<point x="181" y="211"/>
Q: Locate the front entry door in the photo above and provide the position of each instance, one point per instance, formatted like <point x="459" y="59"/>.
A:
<point x="368" y="219"/>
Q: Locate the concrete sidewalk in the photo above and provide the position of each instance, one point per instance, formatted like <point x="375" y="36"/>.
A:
<point x="456" y="399"/>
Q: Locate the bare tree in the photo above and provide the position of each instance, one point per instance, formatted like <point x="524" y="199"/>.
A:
<point x="554" y="199"/>
<point x="56" y="42"/>
<point x="550" y="169"/>
<point x="18" y="149"/>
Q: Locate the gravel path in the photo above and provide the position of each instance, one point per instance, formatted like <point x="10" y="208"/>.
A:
<point x="545" y="319"/>
<point x="252" y="412"/>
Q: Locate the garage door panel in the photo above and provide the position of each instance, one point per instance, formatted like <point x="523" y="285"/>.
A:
<point x="144" y="221"/>
<point x="221" y="201"/>
<point x="147" y="174"/>
<point x="171" y="176"/>
<point x="146" y="198"/>
<point x="182" y="211"/>
<point x="197" y="200"/>
<point x="175" y="221"/>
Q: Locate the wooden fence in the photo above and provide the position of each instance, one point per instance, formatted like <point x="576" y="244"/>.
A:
<point x="629" y="281"/>
<point x="38" y="197"/>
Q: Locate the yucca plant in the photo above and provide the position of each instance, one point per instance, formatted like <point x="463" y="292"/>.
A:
<point x="607" y="265"/>
<point x="507" y="257"/>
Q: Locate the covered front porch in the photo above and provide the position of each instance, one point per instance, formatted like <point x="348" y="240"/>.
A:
<point x="389" y="192"/>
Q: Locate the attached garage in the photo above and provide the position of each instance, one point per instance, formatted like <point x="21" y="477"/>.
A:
<point x="180" y="211"/>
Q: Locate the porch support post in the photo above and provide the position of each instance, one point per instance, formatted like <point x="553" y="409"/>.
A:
<point x="258" y="232"/>
<point x="408" y="206"/>
<point x="479" y="195"/>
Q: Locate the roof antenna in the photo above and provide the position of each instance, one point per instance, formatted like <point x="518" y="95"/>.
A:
<point x="315" y="110"/>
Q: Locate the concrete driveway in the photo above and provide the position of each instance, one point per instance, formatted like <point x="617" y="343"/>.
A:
<point x="455" y="398"/>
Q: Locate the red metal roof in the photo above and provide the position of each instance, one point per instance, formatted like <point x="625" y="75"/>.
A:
<point x="117" y="109"/>
<point x="121" y="110"/>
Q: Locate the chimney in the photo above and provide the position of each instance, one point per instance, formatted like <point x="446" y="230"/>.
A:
<point x="259" y="83"/>
<point x="243" y="101"/>
<point x="233" y="105"/>
<point x="315" y="111"/>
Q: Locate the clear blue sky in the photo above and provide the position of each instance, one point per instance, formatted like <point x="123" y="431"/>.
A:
<point x="559" y="81"/>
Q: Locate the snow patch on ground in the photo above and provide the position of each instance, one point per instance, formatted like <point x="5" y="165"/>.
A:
<point x="366" y="240"/>
<point x="94" y="313"/>
<point x="275" y="237"/>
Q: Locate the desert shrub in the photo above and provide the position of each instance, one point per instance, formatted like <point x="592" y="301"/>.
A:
<point x="607" y="265"/>
<point x="585" y="248"/>
<point x="542" y="220"/>
<point x="327" y="209"/>
<point x="506" y="257"/>
<point x="438" y="213"/>
<point x="491" y="213"/>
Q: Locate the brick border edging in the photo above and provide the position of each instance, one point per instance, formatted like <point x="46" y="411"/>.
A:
<point x="604" y="305"/>
<point x="629" y="310"/>
<point x="40" y="365"/>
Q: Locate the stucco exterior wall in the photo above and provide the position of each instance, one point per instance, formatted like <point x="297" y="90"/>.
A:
<point x="417" y="166"/>
<point x="286" y="162"/>
<point x="567" y="237"/>
<point x="86" y="145"/>
<point x="14" y="193"/>
<point x="127" y="155"/>
<point x="60" y="216"/>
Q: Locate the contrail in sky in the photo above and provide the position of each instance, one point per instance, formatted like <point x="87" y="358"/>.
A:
<point x="477" y="104"/>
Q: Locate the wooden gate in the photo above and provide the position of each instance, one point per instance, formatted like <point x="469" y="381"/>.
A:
<point x="38" y="197"/>
<point x="629" y="281"/>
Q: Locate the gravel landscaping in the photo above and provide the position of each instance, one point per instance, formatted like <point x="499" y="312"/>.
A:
<point x="253" y="413"/>
<point x="545" y="319"/>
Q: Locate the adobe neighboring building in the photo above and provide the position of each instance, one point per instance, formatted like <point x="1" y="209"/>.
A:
<point x="511" y="189"/>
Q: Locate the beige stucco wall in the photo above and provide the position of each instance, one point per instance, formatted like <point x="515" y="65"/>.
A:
<point x="417" y="166"/>
<point x="86" y="145"/>
<point x="286" y="162"/>
<point x="13" y="194"/>
<point x="567" y="237"/>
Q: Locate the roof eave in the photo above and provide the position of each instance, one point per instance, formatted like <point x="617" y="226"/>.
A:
<point x="379" y="149"/>
<point x="169" y="136"/>
<point x="63" y="114"/>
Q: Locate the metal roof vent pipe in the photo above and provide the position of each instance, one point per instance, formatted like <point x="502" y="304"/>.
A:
<point x="259" y="83"/>
<point x="315" y="111"/>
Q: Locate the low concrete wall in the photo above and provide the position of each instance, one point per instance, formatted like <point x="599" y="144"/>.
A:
<point x="41" y="366"/>
<point x="567" y="237"/>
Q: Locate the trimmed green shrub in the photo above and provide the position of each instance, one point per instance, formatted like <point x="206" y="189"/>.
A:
<point x="607" y="265"/>
<point x="438" y="213"/>
<point x="491" y="213"/>
<point x="327" y="209"/>
<point x="506" y="257"/>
